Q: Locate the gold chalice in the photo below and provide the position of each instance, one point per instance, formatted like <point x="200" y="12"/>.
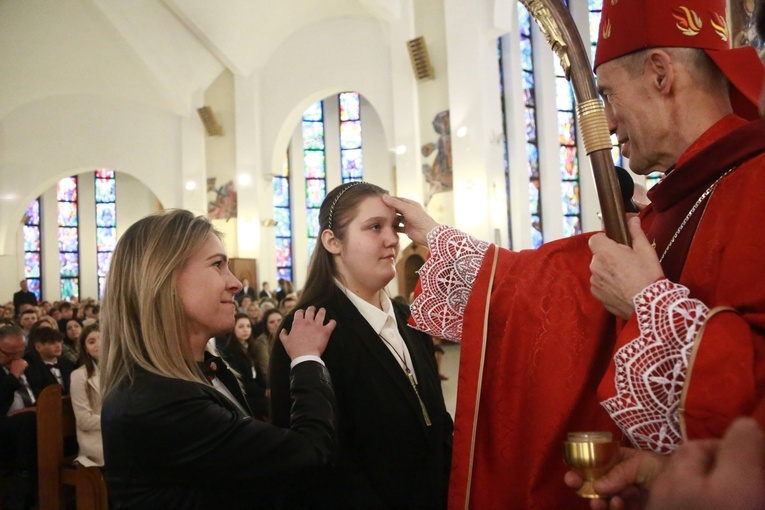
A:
<point x="591" y="454"/>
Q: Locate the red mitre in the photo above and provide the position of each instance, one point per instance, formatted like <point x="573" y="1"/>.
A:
<point x="631" y="25"/>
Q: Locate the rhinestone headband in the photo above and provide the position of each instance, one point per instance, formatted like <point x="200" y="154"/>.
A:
<point x="332" y="207"/>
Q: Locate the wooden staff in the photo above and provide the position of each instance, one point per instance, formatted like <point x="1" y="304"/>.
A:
<point x="558" y="27"/>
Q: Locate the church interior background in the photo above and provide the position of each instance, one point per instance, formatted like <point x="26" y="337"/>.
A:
<point x="251" y="111"/>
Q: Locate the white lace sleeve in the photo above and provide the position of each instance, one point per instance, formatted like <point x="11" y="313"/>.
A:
<point x="651" y="369"/>
<point x="446" y="279"/>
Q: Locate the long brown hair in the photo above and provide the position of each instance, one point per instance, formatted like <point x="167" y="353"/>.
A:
<point x="84" y="358"/>
<point x="338" y="209"/>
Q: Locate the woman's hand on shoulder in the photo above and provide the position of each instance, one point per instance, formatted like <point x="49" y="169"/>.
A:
<point x="308" y="335"/>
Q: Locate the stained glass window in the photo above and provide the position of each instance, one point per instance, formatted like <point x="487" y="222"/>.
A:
<point x="505" y="155"/>
<point x="568" y="159"/>
<point x="283" y="218"/>
<point x="106" y="222"/>
<point x="530" y="115"/>
<point x="68" y="238"/>
<point x="351" y="162"/>
<point x="315" y="169"/>
<point x="32" y="249"/>
<point x="594" y="8"/>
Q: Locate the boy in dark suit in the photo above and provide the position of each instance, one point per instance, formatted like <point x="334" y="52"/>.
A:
<point x="46" y="366"/>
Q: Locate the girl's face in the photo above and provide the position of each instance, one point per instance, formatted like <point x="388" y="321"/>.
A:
<point x="366" y="257"/>
<point x="73" y="330"/>
<point x="273" y="322"/>
<point x="243" y="329"/>
<point x="92" y="342"/>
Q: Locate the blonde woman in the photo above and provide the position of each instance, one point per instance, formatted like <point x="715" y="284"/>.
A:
<point x="85" y="391"/>
<point x="174" y="435"/>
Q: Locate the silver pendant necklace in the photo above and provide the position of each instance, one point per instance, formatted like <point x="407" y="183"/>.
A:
<point x="410" y="376"/>
<point x="688" y="216"/>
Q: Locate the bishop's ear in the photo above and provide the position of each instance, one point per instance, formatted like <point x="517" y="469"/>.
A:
<point x="661" y="66"/>
<point x="331" y="243"/>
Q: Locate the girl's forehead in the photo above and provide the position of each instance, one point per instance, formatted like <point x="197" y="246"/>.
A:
<point x="373" y="206"/>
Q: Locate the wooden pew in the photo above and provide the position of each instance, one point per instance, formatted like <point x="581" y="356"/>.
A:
<point x="55" y="422"/>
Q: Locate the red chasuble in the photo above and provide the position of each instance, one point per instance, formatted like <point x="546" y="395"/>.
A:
<point x="548" y="344"/>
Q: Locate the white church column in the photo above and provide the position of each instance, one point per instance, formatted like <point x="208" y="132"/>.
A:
<point x="476" y="122"/>
<point x="253" y="186"/>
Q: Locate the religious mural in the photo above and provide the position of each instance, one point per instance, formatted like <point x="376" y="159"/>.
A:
<point x="438" y="172"/>
<point x="222" y="201"/>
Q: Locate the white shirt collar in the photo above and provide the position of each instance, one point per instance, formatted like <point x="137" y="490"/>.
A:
<point x="374" y="316"/>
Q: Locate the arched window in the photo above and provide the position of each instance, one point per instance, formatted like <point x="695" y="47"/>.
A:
<point x="283" y="217"/>
<point x="106" y="222"/>
<point x="33" y="249"/>
<point x="351" y="160"/>
<point x="68" y="238"/>
<point x="315" y="169"/>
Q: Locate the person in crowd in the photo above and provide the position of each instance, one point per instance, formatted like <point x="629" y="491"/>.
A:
<point x="72" y="332"/>
<point x="18" y="425"/>
<point x="288" y="304"/>
<point x="173" y="435"/>
<point x="55" y="314"/>
<point x="245" y="302"/>
<point x="253" y="312"/>
<point x="264" y="344"/>
<point x="545" y="321"/>
<point x="265" y="291"/>
<point x="23" y="296"/>
<point x="8" y="313"/>
<point x="239" y="352"/>
<point x="246" y="291"/>
<point x="44" y="322"/>
<point x="91" y="311"/>
<point x="85" y="390"/>
<point x="67" y="310"/>
<point x="395" y="434"/>
<point x="282" y="290"/>
<point x="26" y="319"/>
<point x="46" y="365"/>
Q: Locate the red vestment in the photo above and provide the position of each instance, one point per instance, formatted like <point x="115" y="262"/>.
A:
<point x="550" y="344"/>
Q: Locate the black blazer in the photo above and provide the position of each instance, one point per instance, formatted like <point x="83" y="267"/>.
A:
<point x="8" y="386"/>
<point x="170" y="443"/>
<point x="387" y="457"/>
<point x="39" y="375"/>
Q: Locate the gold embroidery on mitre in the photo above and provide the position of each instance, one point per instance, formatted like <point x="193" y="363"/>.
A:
<point x="688" y="22"/>
<point x="614" y="2"/>
<point x="607" y="29"/>
<point x="720" y="24"/>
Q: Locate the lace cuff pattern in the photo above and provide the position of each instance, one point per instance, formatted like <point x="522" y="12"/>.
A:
<point x="651" y="369"/>
<point x="446" y="279"/>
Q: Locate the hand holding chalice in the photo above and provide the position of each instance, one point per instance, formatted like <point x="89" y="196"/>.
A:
<point x="591" y="455"/>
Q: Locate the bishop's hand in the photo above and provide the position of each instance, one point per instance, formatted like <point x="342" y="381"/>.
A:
<point x="619" y="272"/>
